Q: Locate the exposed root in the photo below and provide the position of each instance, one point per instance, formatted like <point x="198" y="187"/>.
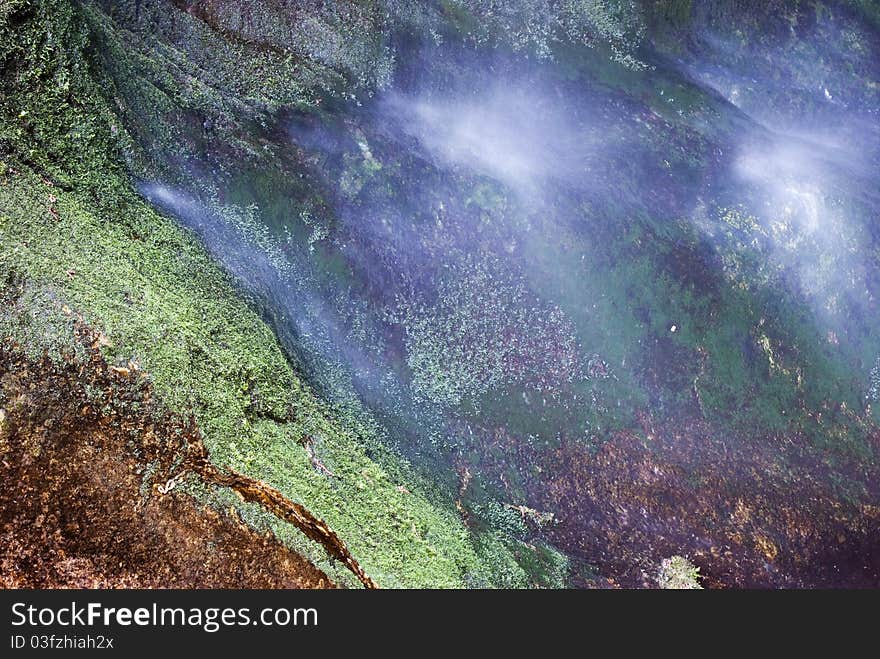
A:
<point x="254" y="491"/>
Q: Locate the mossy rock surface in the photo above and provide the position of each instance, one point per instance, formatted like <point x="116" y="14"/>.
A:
<point x="196" y="180"/>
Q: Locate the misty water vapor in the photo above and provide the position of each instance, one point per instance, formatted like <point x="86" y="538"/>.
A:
<point x="510" y="255"/>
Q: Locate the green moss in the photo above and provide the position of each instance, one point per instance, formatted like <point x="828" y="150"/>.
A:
<point x="678" y="573"/>
<point x="93" y="93"/>
<point x="164" y="304"/>
<point x="71" y="224"/>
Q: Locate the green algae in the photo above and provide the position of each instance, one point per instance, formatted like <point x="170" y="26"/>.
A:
<point x="72" y="226"/>
<point x="90" y="97"/>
